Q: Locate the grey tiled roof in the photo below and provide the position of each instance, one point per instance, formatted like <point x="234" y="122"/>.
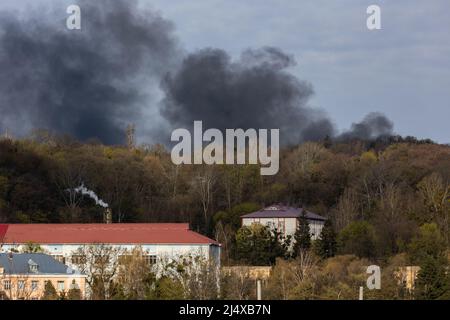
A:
<point x="20" y="264"/>
<point x="279" y="211"/>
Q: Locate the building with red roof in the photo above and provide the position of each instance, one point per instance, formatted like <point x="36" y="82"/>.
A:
<point x="156" y="239"/>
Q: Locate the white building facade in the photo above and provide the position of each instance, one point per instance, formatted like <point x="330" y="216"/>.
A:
<point x="285" y="220"/>
<point x="159" y="242"/>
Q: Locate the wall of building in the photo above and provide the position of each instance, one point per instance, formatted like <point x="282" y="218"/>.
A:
<point x="287" y="226"/>
<point x="252" y="272"/>
<point x="315" y="227"/>
<point x="9" y="284"/>
<point x="64" y="252"/>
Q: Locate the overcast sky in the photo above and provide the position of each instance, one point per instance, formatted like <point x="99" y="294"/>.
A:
<point x="402" y="70"/>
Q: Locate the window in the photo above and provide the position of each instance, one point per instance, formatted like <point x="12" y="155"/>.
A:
<point x="21" y="284"/>
<point x="78" y="259"/>
<point x="7" y="284"/>
<point x="34" y="285"/>
<point x="151" y="259"/>
<point x="270" y="224"/>
<point x="60" y="258"/>
<point x="74" y="285"/>
<point x="60" y="285"/>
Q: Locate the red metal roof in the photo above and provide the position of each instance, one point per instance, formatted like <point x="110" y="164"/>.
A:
<point x="3" y="229"/>
<point x="116" y="233"/>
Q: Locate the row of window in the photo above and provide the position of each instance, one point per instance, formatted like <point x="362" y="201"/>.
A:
<point x="80" y="259"/>
<point x="149" y="259"/>
<point x="278" y="223"/>
<point x="21" y="285"/>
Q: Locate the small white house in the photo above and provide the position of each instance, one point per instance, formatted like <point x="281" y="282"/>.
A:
<point x="285" y="219"/>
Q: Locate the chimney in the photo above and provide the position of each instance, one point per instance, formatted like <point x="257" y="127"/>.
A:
<point x="107" y="216"/>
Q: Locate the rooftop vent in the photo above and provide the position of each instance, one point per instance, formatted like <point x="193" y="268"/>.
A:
<point x="107" y="216"/>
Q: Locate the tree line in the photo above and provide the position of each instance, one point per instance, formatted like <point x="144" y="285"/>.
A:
<point x="381" y="198"/>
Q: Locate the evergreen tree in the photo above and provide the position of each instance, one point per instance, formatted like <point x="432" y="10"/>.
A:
<point x="432" y="281"/>
<point x="168" y="288"/>
<point x="74" y="292"/>
<point x="428" y="250"/>
<point x="302" y="235"/>
<point x="326" y="245"/>
<point x="50" y="292"/>
<point x="259" y="245"/>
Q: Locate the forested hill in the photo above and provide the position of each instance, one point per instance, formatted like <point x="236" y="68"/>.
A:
<point x="394" y="184"/>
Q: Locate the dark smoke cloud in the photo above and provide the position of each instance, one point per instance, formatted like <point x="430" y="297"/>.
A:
<point x="254" y="92"/>
<point x="87" y="83"/>
<point x="94" y="82"/>
<point x="372" y="126"/>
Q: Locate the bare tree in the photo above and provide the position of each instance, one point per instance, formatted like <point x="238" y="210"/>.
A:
<point x="304" y="266"/>
<point x="133" y="273"/>
<point x="201" y="279"/>
<point x="225" y="235"/>
<point x="203" y="185"/>
<point x="198" y="275"/>
<point x="67" y="178"/>
<point x="346" y="210"/>
<point x="100" y="262"/>
<point x="130" y="135"/>
<point x="435" y="193"/>
<point x="237" y="284"/>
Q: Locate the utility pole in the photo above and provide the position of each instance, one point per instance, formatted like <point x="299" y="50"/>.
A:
<point x="258" y="289"/>
<point x="130" y="135"/>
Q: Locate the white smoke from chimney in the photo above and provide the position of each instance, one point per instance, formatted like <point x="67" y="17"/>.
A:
<point x="85" y="191"/>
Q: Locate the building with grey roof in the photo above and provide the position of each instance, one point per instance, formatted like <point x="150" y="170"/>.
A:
<point x="24" y="276"/>
<point x="285" y="219"/>
<point x="32" y="263"/>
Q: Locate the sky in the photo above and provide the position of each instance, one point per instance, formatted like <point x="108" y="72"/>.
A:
<point x="402" y="70"/>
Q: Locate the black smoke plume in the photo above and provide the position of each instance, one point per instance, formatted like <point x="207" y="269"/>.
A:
<point x="89" y="83"/>
<point x="373" y="125"/>
<point x="254" y="92"/>
<point x="92" y="83"/>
